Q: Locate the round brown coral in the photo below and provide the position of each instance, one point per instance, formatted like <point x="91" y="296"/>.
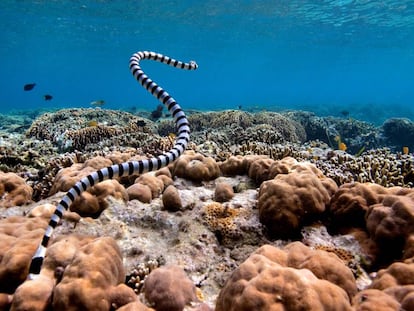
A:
<point x="93" y="280"/>
<point x="68" y="177"/>
<point x="291" y="200"/>
<point x="19" y="237"/>
<point x="94" y="201"/>
<point x="14" y="190"/>
<point x="168" y="288"/>
<point x="196" y="167"/>
<point x="224" y="192"/>
<point x="262" y="283"/>
<point x="171" y="199"/>
<point x="350" y="203"/>
<point x="390" y="223"/>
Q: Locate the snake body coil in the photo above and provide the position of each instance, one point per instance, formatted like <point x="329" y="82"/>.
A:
<point x="127" y="168"/>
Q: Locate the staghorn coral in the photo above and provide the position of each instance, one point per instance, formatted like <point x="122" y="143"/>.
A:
<point x="140" y="271"/>
<point x="378" y="166"/>
<point x="14" y="190"/>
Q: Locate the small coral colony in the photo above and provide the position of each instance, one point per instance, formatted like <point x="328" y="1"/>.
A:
<point x="263" y="211"/>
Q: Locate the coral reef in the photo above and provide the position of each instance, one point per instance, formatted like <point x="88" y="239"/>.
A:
<point x="399" y="132"/>
<point x="250" y="179"/>
<point x="71" y="129"/>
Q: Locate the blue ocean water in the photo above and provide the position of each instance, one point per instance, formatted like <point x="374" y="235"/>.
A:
<point x="324" y="56"/>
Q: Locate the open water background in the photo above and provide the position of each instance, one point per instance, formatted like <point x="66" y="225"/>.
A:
<point x="325" y="56"/>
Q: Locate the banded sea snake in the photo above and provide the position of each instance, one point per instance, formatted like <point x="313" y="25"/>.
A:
<point x="126" y="168"/>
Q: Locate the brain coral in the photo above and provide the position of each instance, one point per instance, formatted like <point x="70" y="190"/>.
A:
<point x="290" y="200"/>
<point x="262" y="283"/>
<point x="196" y="167"/>
<point x="14" y="190"/>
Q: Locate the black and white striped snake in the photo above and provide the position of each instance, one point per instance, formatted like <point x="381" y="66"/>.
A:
<point x="127" y="168"/>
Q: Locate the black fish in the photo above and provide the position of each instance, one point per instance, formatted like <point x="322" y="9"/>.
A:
<point x="29" y="87"/>
<point x="345" y="113"/>
<point x="47" y="97"/>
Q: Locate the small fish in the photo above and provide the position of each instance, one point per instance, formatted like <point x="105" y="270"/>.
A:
<point x="47" y="97"/>
<point x="98" y="103"/>
<point x="345" y="113"/>
<point x="29" y="86"/>
<point x="93" y="123"/>
<point x="342" y="146"/>
<point x="141" y="123"/>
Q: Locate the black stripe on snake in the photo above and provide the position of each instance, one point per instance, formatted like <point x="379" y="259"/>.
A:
<point x="126" y="168"/>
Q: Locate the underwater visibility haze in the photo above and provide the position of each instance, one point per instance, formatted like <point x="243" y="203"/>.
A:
<point x="327" y="56"/>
